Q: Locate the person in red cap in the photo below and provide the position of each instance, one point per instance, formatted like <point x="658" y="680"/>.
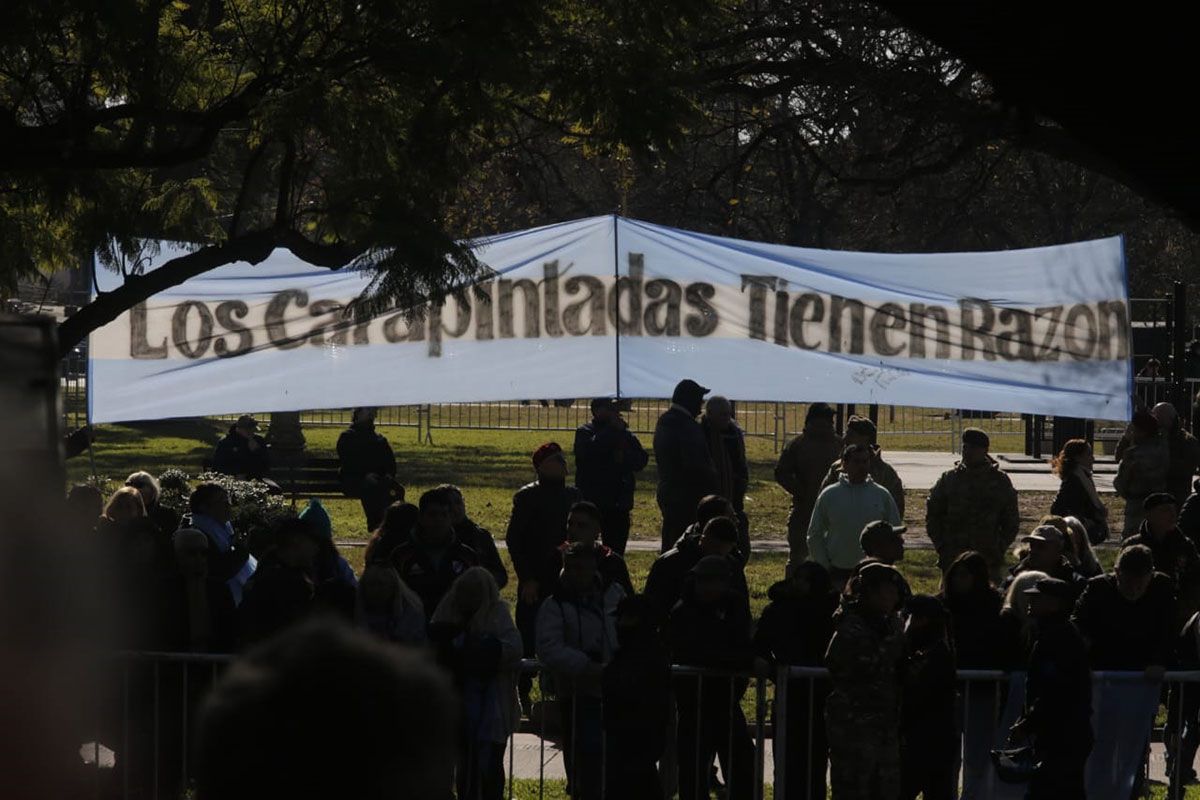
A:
<point x="685" y="467"/>
<point x="536" y="528"/>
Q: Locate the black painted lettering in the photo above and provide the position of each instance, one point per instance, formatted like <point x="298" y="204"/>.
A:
<point x="228" y="314"/>
<point x="759" y="284"/>
<point x="275" y="318"/>
<point x="1016" y="344"/>
<point x="662" y="315"/>
<point x="550" y="271"/>
<point x="532" y="308"/>
<point x="139" y="347"/>
<point x="918" y="314"/>
<point x="800" y="315"/>
<point x="1113" y="318"/>
<point x="322" y="308"/>
<point x="1079" y="333"/>
<point x="593" y="302"/>
<point x="837" y="307"/>
<point x="704" y="319"/>
<point x="1051" y="315"/>
<point x="781" y="317"/>
<point x="976" y="330"/>
<point x="628" y="286"/>
<point x="179" y="334"/>
<point x="483" y="310"/>
<point x="888" y="317"/>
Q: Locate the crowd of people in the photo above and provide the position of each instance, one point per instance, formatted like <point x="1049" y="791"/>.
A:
<point x="886" y="721"/>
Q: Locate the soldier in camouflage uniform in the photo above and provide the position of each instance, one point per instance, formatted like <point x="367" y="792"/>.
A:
<point x="973" y="507"/>
<point x="862" y="714"/>
<point x="860" y="430"/>
<point x="801" y="467"/>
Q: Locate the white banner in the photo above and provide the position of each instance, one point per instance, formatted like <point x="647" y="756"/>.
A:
<point x="1040" y="331"/>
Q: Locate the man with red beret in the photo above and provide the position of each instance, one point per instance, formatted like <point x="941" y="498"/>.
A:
<point x="536" y="528"/>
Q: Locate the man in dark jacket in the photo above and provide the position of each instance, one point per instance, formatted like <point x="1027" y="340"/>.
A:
<point x="368" y="466"/>
<point x="669" y="572"/>
<point x="434" y="557"/>
<point x="1174" y="555"/>
<point x="536" y="529"/>
<point x="583" y="528"/>
<point x="474" y="536"/>
<point x="794" y="630"/>
<point x="243" y="452"/>
<point x="710" y="627"/>
<point x="636" y="687"/>
<point x="727" y="446"/>
<point x="607" y="460"/>
<point x="711" y="507"/>
<point x="685" y="468"/>
<point x="280" y="593"/>
<point x="800" y="470"/>
<point x="1058" y="696"/>
<point x="1127" y="617"/>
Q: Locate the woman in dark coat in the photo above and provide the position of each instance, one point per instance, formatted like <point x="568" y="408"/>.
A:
<point x="795" y="629"/>
<point x="1077" y="495"/>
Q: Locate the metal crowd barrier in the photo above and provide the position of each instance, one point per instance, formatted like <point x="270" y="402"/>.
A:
<point x="146" y="759"/>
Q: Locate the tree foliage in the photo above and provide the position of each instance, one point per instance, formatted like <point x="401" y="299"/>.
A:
<point x="341" y="131"/>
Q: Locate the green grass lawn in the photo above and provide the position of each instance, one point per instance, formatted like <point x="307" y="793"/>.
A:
<point x="489" y="466"/>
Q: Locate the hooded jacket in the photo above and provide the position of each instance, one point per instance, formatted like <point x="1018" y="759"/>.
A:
<point x="796" y="628"/>
<point x="576" y="632"/>
<point x="881" y="472"/>
<point x="839" y="516"/>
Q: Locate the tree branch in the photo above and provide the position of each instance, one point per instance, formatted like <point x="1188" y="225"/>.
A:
<point x="251" y="247"/>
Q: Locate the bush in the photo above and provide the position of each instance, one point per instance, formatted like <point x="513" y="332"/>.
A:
<point x="255" y="510"/>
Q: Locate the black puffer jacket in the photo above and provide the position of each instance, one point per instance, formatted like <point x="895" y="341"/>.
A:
<point x="537" y="527"/>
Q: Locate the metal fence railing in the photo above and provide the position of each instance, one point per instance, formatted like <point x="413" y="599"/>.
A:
<point x="141" y="744"/>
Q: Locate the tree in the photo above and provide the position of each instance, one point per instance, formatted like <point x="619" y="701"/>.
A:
<point x="341" y="131"/>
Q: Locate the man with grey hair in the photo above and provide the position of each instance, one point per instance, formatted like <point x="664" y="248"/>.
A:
<point x="727" y="446"/>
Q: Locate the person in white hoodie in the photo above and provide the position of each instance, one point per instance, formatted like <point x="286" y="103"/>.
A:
<point x="477" y="640"/>
<point x="576" y="638"/>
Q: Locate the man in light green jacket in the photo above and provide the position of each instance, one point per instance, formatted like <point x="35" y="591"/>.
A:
<point x="843" y="510"/>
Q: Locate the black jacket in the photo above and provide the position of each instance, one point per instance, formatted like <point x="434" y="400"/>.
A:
<point x="976" y="629"/>
<point x="795" y="629"/>
<point x="1058" y="691"/>
<point x="928" y="722"/>
<point x="480" y="540"/>
<point x="685" y="469"/>
<point x="1174" y="555"/>
<point x="234" y="457"/>
<point x="537" y="527"/>
<point x="276" y="597"/>
<point x="717" y="638"/>
<point x="734" y="442"/>
<point x="636" y="688"/>
<point x="669" y="573"/>
<point x="175" y="633"/>
<point x="1074" y="500"/>
<point x="1124" y="635"/>
<point x="431" y="578"/>
<point x="607" y="460"/>
<point x="1189" y="518"/>
<point x="362" y="452"/>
